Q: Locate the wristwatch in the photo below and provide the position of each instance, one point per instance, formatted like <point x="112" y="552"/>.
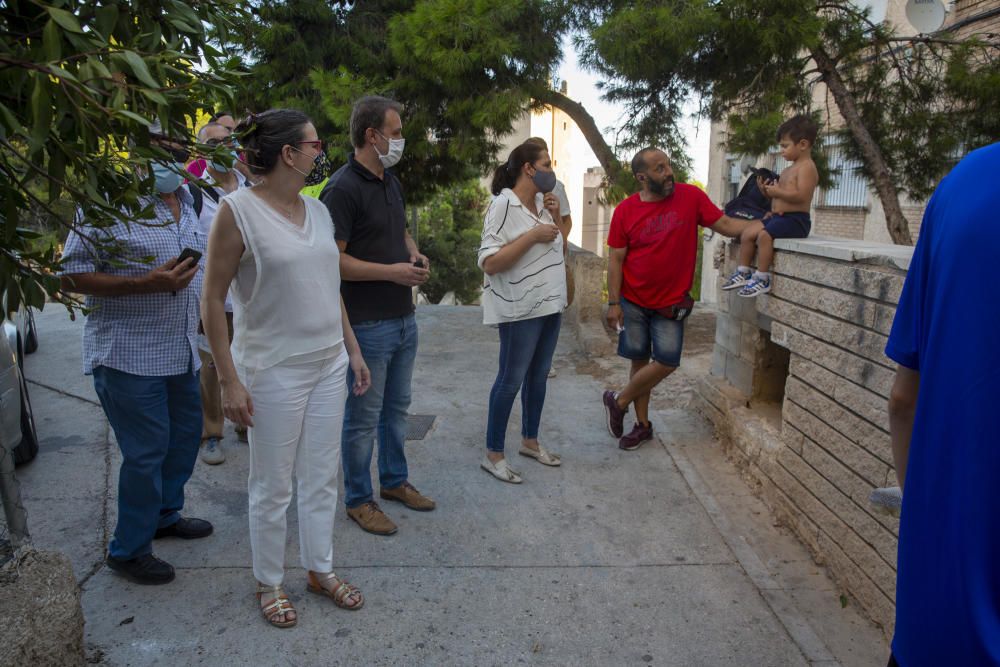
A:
<point x="612" y="303"/>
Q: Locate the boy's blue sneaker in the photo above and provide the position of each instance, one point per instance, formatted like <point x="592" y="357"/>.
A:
<point x="738" y="279"/>
<point x="755" y="287"/>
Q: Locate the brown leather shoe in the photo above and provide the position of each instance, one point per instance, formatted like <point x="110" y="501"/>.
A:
<point x="407" y="494"/>
<point x="372" y="519"/>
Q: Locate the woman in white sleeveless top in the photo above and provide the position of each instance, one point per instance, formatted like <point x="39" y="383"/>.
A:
<point x="285" y="375"/>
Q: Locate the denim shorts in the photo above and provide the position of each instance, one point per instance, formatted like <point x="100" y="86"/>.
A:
<point x="648" y="334"/>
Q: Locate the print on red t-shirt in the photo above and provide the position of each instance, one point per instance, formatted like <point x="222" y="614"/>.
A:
<point x="662" y="242"/>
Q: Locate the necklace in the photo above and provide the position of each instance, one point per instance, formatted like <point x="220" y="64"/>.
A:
<point x="269" y="198"/>
<point x="284" y="210"/>
<point x="288" y="213"/>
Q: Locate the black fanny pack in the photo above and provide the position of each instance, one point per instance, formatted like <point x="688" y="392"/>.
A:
<point x="679" y="310"/>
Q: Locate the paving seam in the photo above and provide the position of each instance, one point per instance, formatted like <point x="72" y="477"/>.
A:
<point x="61" y="392"/>
<point x="105" y="508"/>
<point x="194" y="568"/>
<point x="777" y="598"/>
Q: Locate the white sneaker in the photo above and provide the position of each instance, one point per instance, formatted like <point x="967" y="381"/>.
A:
<point x="886" y="500"/>
<point x="755" y="287"/>
<point x="211" y="452"/>
<point x="738" y="279"/>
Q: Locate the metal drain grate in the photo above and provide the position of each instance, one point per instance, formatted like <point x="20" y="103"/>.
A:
<point x="417" y="426"/>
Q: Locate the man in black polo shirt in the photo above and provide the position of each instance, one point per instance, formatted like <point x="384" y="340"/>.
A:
<point x="379" y="264"/>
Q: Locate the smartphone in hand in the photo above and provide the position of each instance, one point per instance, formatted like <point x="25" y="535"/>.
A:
<point x="189" y="252"/>
<point x="185" y="254"/>
<point x="419" y="264"/>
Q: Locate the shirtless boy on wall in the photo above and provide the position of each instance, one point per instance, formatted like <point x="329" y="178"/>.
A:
<point x="790" y="198"/>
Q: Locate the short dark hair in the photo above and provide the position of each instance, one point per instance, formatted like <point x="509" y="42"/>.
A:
<point x="368" y="112"/>
<point x="798" y="128"/>
<point x="639" y="161"/>
<point x="263" y="135"/>
<point x="506" y="173"/>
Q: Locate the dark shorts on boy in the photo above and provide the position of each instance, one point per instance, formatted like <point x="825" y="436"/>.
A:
<point x="788" y="225"/>
<point x="648" y="334"/>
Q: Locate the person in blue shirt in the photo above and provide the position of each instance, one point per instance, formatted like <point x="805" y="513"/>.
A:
<point x="140" y="343"/>
<point x="945" y="436"/>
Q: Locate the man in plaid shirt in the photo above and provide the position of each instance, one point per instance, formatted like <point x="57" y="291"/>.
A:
<point x="140" y="344"/>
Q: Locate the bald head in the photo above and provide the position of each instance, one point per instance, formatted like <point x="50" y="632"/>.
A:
<point x="213" y="130"/>
<point x="643" y="159"/>
<point x="651" y="167"/>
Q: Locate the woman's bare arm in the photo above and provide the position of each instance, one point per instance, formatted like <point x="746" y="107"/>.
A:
<point x="225" y="247"/>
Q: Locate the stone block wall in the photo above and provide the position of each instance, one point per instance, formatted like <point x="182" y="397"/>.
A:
<point x="798" y="392"/>
<point x="914" y="214"/>
<point x="846" y="223"/>
<point x="742" y="355"/>
<point x="586" y="313"/>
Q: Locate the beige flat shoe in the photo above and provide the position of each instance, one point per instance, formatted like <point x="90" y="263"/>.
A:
<point x="542" y="456"/>
<point x="501" y="471"/>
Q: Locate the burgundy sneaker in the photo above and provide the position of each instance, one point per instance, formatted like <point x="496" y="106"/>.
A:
<point x="639" y="435"/>
<point x="615" y="414"/>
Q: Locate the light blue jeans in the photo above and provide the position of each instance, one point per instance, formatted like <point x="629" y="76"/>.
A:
<point x="390" y="349"/>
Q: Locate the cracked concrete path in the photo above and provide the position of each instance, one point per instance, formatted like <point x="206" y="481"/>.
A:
<point x="658" y="556"/>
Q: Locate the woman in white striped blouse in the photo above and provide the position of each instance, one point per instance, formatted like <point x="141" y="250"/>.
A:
<point x="524" y="295"/>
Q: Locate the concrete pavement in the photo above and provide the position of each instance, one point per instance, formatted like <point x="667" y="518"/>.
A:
<point x="660" y="556"/>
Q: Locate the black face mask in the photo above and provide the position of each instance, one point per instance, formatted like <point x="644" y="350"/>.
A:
<point x="321" y="169"/>
<point x="663" y="188"/>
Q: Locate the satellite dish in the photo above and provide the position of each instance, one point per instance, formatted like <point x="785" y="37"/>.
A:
<point x="876" y="9"/>
<point x="926" y="16"/>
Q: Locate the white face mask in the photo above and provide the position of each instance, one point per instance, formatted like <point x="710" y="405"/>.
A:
<point x="395" y="151"/>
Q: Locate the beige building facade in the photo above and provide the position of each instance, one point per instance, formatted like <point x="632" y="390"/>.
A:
<point x="595" y="219"/>
<point x="562" y="135"/>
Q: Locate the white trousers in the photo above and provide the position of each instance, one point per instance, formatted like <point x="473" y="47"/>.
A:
<point x="298" y="418"/>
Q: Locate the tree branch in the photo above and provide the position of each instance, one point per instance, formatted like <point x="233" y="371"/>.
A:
<point x="77" y="194"/>
<point x="896" y="222"/>
<point x="605" y="155"/>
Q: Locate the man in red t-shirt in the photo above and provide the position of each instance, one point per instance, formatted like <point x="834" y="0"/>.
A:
<point x="653" y="247"/>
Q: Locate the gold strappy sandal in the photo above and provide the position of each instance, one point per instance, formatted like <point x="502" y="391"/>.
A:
<point x="343" y="594"/>
<point x="280" y="605"/>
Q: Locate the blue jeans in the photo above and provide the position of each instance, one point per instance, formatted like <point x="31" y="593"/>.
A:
<point x="526" y="349"/>
<point x="390" y="349"/>
<point x="157" y="421"/>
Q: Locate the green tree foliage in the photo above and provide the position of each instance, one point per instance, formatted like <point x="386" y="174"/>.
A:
<point x="451" y="226"/>
<point x="79" y="85"/>
<point x="464" y="69"/>
<point x="910" y="105"/>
